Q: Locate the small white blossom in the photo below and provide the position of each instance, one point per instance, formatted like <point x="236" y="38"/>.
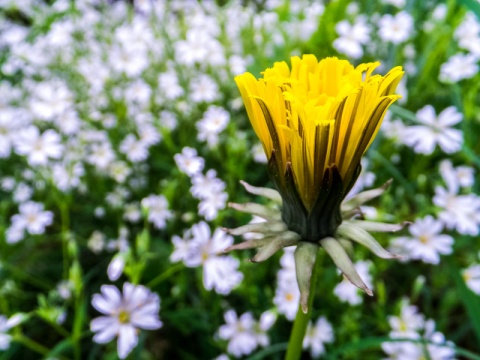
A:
<point x="134" y="149"/>
<point x="158" y="213"/>
<point x="244" y="333"/>
<point x="124" y="314"/>
<point x="214" y="121"/>
<point x="169" y="86"/>
<point x="396" y="29"/>
<point x="205" y="185"/>
<point x="32" y="218"/>
<point x="468" y="34"/>
<point x="458" y="67"/>
<point x="220" y="272"/>
<point x="239" y="333"/>
<point x="459" y="212"/>
<point x="408" y="323"/>
<point x="50" y="99"/>
<point x="189" y="162"/>
<point x="352" y="37"/>
<point x="96" y="242"/>
<point x="101" y="155"/>
<point x="203" y="89"/>
<point x="38" y="148"/>
<point x="317" y="336"/>
<point x="435" y="130"/>
<point x="427" y="243"/>
<point x="116" y="266"/>
<point x="412" y="324"/>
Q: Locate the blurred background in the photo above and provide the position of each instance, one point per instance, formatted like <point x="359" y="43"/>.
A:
<point x="123" y="136"/>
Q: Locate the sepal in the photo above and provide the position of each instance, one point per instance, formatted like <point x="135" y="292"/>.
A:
<point x="305" y="258"/>
<point x="343" y="262"/>
<point x="362" y="237"/>
<point x="364" y="196"/>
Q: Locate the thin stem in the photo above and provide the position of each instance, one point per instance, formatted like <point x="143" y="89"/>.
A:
<point x="33" y="345"/>
<point x="295" y="344"/>
<point x="165" y="275"/>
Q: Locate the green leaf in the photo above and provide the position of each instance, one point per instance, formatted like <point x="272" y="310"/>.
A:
<point x="472" y="5"/>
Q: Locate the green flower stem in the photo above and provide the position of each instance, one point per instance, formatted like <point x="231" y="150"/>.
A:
<point x="295" y="344"/>
<point x="165" y="275"/>
<point x="34" y="346"/>
<point x="31" y="344"/>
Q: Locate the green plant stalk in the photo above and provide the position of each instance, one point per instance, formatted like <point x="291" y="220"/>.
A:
<point x="33" y="345"/>
<point x="299" y="329"/>
<point x="165" y="275"/>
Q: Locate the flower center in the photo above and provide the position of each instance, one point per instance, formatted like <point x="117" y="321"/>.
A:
<point x="205" y="256"/>
<point x="424" y="239"/>
<point x="124" y="317"/>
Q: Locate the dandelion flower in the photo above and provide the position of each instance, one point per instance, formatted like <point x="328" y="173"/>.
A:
<point x="315" y="121"/>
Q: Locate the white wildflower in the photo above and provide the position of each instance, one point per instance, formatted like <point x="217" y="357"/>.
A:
<point x="124" y="314"/>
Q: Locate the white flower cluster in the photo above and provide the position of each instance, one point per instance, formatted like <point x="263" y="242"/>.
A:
<point x="208" y="188"/>
<point x="464" y="65"/>
<point x="100" y="99"/>
<point x="410" y="324"/>
<point x="244" y="334"/>
<point x="458" y="212"/>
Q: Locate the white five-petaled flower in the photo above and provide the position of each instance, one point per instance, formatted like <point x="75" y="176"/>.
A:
<point x="408" y="323"/>
<point x="38" y="148"/>
<point x="317" y="336"/>
<point x="434" y="130"/>
<point x="220" y="272"/>
<point x="209" y="189"/>
<point x="239" y="333"/>
<point x="203" y="89"/>
<point x="426" y="243"/>
<point x="124" y="313"/>
<point x="244" y="333"/>
<point x="352" y="37"/>
<point x="468" y="34"/>
<point x="214" y="121"/>
<point x="189" y="162"/>
<point x="158" y="213"/>
<point x="456" y="178"/>
<point x="411" y="324"/>
<point x="32" y="218"/>
<point x="396" y="29"/>
<point x="458" y="67"/>
<point x="459" y="212"/>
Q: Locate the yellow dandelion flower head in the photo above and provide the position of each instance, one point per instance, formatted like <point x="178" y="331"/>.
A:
<point x="315" y="120"/>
